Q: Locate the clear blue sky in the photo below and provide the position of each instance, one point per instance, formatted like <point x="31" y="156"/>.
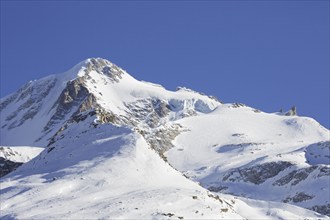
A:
<point x="266" y="54"/>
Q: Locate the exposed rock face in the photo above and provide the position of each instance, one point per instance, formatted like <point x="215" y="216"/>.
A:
<point x="292" y="111"/>
<point x="7" y="166"/>
<point x="161" y="107"/>
<point x="161" y="138"/>
<point x="299" y="197"/>
<point x="31" y="97"/>
<point x="8" y="152"/>
<point x="106" y="117"/>
<point x="74" y="99"/>
<point x="217" y="188"/>
<point x="237" y="105"/>
<point x="104" y="67"/>
<point x="323" y="209"/>
<point x="150" y="113"/>
<point x="295" y="177"/>
<point x="257" y="174"/>
<point x="324" y="171"/>
<point x="153" y="117"/>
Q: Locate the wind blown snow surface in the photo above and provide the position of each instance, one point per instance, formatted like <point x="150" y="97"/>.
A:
<point x="114" y="147"/>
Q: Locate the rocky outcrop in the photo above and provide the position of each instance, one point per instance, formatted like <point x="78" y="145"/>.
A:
<point x="257" y="174"/>
<point x="299" y="197"/>
<point x="32" y="97"/>
<point x="7" y="166"/>
<point x="295" y="177"/>
<point x="106" y="117"/>
<point x="292" y="111"/>
<point x="161" y="138"/>
<point x="323" y="209"/>
<point x="74" y="99"/>
<point x="147" y="111"/>
<point x="237" y="105"/>
<point x="105" y="67"/>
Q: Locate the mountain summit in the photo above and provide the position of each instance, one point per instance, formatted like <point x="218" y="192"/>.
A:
<point x="114" y="147"/>
<point x="93" y="85"/>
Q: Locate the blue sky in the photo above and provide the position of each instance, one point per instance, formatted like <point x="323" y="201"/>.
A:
<point x="266" y="54"/>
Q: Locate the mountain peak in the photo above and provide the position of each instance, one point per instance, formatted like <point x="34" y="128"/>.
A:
<point x="93" y="65"/>
<point x="97" y="63"/>
<point x="102" y="66"/>
<point x="96" y="119"/>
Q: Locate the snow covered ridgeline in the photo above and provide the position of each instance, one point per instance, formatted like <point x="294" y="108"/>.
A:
<point x="94" y="84"/>
<point x="96" y="93"/>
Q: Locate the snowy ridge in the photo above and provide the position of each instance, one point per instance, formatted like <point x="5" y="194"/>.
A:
<point x="100" y="127"/>
<point x="92" y="84"/>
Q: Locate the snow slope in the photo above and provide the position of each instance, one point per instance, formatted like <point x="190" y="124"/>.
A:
<point x="105" y="172"/>
<point x="107" y="136"/>
<point x="244" y="152"/>
<point x="111" y="172"/>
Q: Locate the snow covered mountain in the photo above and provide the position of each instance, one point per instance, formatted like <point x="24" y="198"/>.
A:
<point x="116" y="147"/>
